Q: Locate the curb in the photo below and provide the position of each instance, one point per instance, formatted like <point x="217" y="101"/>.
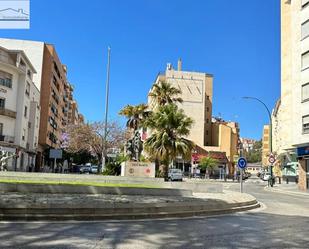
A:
<point x="285" y="192"/>
<point x="24" y="214"/>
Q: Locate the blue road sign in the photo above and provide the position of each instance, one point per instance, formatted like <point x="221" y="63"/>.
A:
<point x="242" y="163"/>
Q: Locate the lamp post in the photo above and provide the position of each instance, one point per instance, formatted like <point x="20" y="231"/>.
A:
<point x="106" y="109"/>
<point x="270" y="133"/>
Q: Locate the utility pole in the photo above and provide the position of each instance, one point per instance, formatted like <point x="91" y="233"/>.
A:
<point x="106" y="109"/>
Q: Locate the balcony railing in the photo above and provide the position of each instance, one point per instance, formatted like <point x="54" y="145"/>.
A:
<point x="8" y="113"/>
<point x="8" y="139"/>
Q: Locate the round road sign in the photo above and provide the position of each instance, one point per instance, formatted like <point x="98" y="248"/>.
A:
<point x="271" y="159"/>
<point x="242" y="163"/>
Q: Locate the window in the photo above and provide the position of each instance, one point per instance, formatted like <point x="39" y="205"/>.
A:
<point x="24" y="135"/>
<point x="2" y="103"/>
<point x="305" y="30"/>
<point x="306" y="124"/>
<point x="57" y="70"/>
<point x="25" y="111"/>
<point x="305" y="92"/>
<point x="54" y="110"/>
<point x="207" y="109"/>
<point x="28" y="89"/>
<point x="305" y="60"/>
<point x="1" y="129"/>
<point x="29" y="73"/>
<point x="5" y="79"/>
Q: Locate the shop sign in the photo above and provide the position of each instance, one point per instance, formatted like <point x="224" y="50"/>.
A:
<point x="303" y="151"/>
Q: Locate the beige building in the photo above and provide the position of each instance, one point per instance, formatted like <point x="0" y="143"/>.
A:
<point x="225" y="137"/>
<point x="19" y="109"/>
<point x="58" y="107"/>
<point x="265" y="146"/>
<point x="197" y="93"/>
<point x="291" y="114"/>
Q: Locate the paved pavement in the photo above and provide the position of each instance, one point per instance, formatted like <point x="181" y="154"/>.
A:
<point x="281" y="223"/>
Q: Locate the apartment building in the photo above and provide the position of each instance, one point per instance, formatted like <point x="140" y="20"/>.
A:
<point x="247" y="144"/>
<point x="291" y="113"/>
<point x="19" y="109"/>
<point x="197" y="94"/>
<point x="56" y="98"/>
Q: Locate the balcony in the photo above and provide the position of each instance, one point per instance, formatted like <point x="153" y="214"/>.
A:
<point x="8" y="113"/>
<point x="7" y="139"/>
<point x="7" y="60"/>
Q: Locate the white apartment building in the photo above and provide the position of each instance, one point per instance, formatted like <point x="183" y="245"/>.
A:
<point x="19" y="108"/>
<point x="291" y="114"/>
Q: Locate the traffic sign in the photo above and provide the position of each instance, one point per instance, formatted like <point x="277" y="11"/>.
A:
<point x="242" y="163"/>
<point x="271" y="159"/>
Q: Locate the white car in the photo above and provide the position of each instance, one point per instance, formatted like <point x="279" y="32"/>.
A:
<point x="266" y="176"/>
<point x="175" y="175"/>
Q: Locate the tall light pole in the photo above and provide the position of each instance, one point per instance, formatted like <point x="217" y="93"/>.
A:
<point x="270" y="133"/>
<point x="106" y="108"/>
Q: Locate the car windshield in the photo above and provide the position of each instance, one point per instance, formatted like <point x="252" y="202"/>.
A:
<point x="175" y="171"/>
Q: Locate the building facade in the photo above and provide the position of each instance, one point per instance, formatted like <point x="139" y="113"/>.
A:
<point x="196" y="93"/>
<point x="212" y="135"/>
<point x="58" y="107"/>
<point x="291" y="114"/>
<point x="19" y="109"/>
<point x="247" y="144"/>
<point x="265" y="146"/>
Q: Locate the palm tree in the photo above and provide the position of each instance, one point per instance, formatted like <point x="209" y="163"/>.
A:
<point x="168" y="125"/>
<point x="164" y="93"/>
<point x="135" y="115"/>
<point x="208" y="163"/>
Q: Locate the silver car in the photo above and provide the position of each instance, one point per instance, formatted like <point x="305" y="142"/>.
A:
<point x="175" y="175"/>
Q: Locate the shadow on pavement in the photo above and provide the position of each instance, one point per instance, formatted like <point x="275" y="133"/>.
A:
<point x="250" y="230"/>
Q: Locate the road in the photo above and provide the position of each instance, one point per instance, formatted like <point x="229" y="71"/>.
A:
<point x="282" y="222"/>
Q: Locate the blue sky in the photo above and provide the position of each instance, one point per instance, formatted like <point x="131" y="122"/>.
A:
<point x="237" y="41"/>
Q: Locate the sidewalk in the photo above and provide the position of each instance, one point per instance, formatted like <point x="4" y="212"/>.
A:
<point x="291" y="188"/>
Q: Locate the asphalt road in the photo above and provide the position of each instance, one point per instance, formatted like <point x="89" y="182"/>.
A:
<point x="282" y="222"/>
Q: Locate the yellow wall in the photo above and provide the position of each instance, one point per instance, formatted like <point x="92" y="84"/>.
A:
<point x="265" y="148"/>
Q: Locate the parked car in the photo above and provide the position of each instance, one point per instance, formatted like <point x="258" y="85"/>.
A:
<point x="86" y="169"/>
<point x="94" y="169"/>
<point x="175" y="175"/>
<point x="266" y="176"/>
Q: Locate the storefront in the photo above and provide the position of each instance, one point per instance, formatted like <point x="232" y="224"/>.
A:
<point x="303" y="159"/>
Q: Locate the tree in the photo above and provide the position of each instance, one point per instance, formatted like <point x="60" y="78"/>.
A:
<point x="168" y="125"/>
<point x="208" y="163"/>
<point x="89" y="138"/>
<point x="254" y="155"/>
<point x="135" y="115"/>
<point x="164" y="93"/>
<point x="113" y="167"/>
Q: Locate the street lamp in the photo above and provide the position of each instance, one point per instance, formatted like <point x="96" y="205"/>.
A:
<point x="106" y="110"/>
<point x="270" y="132"/>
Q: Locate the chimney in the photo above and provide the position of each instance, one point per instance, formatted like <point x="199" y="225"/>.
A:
<point x="179" y="64"/>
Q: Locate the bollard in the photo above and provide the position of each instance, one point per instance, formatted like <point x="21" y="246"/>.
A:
<point x="287" y="180"/>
